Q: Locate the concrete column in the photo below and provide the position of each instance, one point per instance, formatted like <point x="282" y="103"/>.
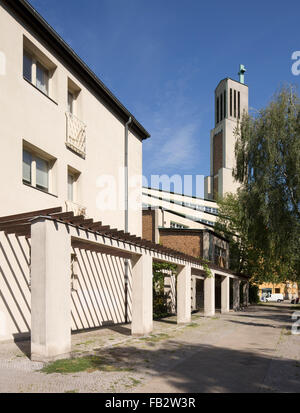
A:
<point x="193" y="288"/>
<point x="246" y="294"/>
<point x="184" y="292"/>
<point x="225" y="295"/>
<point x="209" y="296"/>
<point x="236" y="294"/>
<point x="50" y="290"/>
<point x="142" y="295"/>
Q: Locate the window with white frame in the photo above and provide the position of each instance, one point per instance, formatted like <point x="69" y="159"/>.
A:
<point x="37" y="170"/>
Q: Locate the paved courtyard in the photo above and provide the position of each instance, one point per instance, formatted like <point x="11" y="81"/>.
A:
<point x="248" y="351"/>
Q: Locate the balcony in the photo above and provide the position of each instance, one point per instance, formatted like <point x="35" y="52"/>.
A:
<point x="76" y="134"/>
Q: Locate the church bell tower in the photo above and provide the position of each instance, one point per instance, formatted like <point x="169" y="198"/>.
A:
<point x="231" y="101"/>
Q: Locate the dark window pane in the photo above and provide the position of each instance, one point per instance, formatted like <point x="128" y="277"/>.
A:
<point x="27" y="66"/>
<point x="235" y="103"/>
<point x="27" y="167"/>
<point x="221" y="104"/>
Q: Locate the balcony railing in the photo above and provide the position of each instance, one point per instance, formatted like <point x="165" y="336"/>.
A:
<point x="76" y="208"/>
<point x="76" y="134"/>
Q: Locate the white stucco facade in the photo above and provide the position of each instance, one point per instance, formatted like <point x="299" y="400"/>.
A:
<point x="38" y="122"/>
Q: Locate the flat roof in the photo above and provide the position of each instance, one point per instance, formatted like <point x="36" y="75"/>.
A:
<point x="40" y="27"/>
<point x="177" y="193"/>
<point x="233" y="80"/>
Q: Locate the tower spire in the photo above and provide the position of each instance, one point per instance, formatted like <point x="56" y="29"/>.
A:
<point x="242" y="74"/>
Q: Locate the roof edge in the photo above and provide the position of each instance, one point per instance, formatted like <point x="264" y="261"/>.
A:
<point x="40" y="26"/>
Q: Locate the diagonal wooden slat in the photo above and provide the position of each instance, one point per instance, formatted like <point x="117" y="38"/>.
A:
<point x="18" y="228"/>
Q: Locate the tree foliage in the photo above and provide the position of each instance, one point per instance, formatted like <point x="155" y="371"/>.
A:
<point x="267" y="207"/>
<point x="161" y="299"/>
<point x="266" y="211"/>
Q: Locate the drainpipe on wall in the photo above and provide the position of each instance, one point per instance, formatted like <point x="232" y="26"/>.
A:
<point x="126" y="263"/>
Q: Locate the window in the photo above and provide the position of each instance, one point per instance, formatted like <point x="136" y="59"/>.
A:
<point x="217" y="110"/>
<point x="221" y="104"/>
<point x="42" y="78"/>
<point x="70" y="102"/>
<point x="225" y="106"/>
<point x="27" y="67"/>
<point x="39" y="69"/>
<point x="235" y="103"/>
<point x="71" y="187"/>
<point x="42" y="174"/>
<point x="277" y="290"/>
<point x="37" y="168"/>
<point x="177" y="226"/>
<point x="73" y="177"/>
<point x="230" y="102"/>
<point x="27" y="161"/>
<point x="36" y="73"/>
<point x="239" y="105"/>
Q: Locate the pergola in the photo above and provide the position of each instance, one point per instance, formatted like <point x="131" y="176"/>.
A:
<point x="54" y="233"/>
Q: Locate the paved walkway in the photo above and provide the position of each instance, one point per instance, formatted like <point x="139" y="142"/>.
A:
<point x="252" y="351"/>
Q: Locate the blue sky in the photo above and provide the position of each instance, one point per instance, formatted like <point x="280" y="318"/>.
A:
<point x="164" y="58"/>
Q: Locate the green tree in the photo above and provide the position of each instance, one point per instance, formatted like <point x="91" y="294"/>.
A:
<point x="268" y="169"/>
<point x="245" y="257"/>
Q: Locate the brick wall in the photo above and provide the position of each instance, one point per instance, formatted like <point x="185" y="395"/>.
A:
<point x="148" y="225"/>
<point x="190" y="243"/>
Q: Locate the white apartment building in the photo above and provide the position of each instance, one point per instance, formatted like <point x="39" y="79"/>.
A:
<point x="61" y="128"/>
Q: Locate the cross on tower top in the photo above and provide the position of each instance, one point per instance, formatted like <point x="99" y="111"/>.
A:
<point x="242" y="74"/>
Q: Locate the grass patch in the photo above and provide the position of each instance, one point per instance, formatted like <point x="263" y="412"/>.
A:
<point x="154" y="338"/>
<point x="135" y="382"/>
<point x="86" y="343"/>
<point x="82" y="364"/>
<point x="192" y="325"/>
